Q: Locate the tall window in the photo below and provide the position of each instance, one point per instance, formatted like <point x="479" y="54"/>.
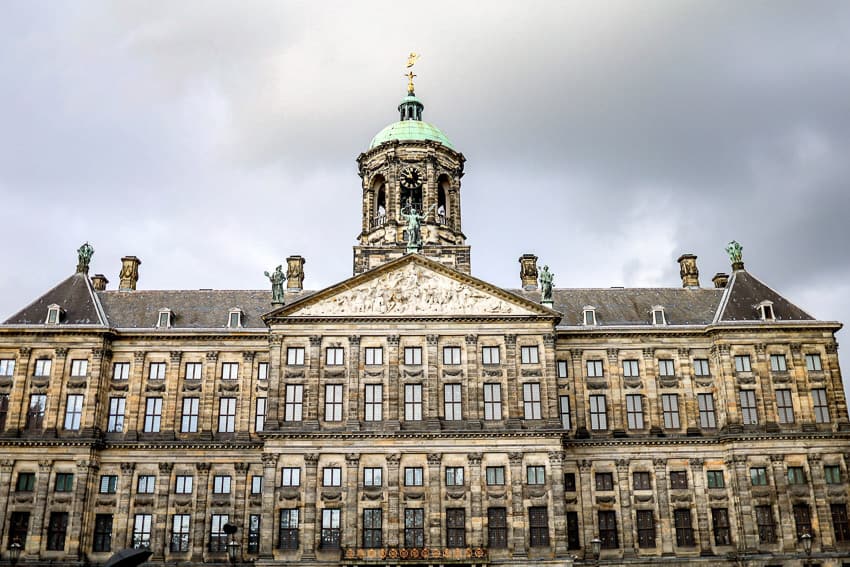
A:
<point x="295" y="356"/>
<point x="373" y="528"/>
<point x="73" y="412"/>
<point x="707" y="415"/>
<point x="589" y="316"/>
<point x="115" y="422"/>
<point x="42" y="367"/>
<point x="413" y="476"/>
<point x="332" y="476"/>
<point x="452" y="402"/>
<point x="374" y="396"/>
<point x="414" y="527"/>
<point x="646" y="529"/>
<point x="454" y="476"/>
<point x="413" y="402"/>
<point x="218" y="539"/>
<point x="749" y="411"/>
<point x="802" y="519"/>
<point x="604" y="481"/>
<point x="102" y="540"/>
<point x="374" y="356"/>
<point x="294" y="401"/>
<point x="573" y="539"/>
<point x="189" y="419"/>
<point x="330" y="528"/>
<point x="180" y="532"/>
<point x="64" y="482"/>
<point x="598" y="413"/>
<point x="455" y="527"/>
<point x="832" y="474"/>
<point x="665" y="367"/>
<point x="758" y="476"/>
<point x="146" y="484"/>
<point x="813" y="363"/>
<point x="260" y="415"/>
<point x="156" y="371"/>
<point x="563" y="369"/>
<point x="631" y="369"/>
<point x="221" y="484"/>
<point x="288" y="531"/>
<point x="796" y="475"/>
<point x="531" y="400"/>
<point x="79" y="368"/>
<point x="26" y="482"/>
<point x="784" y="406"/>
<point x="153" y="415"/>
<point x="840" y="525"/>
<point x="194" y="371"/>
<point x="766" y="524"/>
<point x="4" y="410"/>
<point x="777" y="363"/>
<point x="535" y="474"/>
<point x="227" y="415"/>
<point x="684" y="527"/>
<point x="529" y="355"/>
<point x="495" y="476"/>
<point x="108" y="484"/>
<point x="451" y="355"/>
<point x="290" y="476"/>
<point x="742" y="363"/>
<point x="701" y="367"/>
<point x="594" y="369"/>
<point x="492" y="401"/>
<point x="254" y="533"/>
<point x="678" y="479"/>
<point x="334" y="356"/>
<point x="262" y="371"/>
<point x="634" y="411"/>
<point x="183" y="484"/>
<point x="490" y="355"/>
<point x="564" y="407"/>
<point x="641" y="480"/>
<point x="497" y="528"/>
<point x="142" y="530"/>
<point x="256" y="484"/>
<point x="820" y="406"/>
<point x="720" y="525"/>
<point x="18" y="527"/>
<point x="57" y="528"/>
<point x="670" y="410"/>
<point x="413" y="355"/>
<point x="229" y="370"/>
<point x="608" y="529"/>
<point x="372" y="476"/>
<point x="715" y="479"/>
<point x="333" y="402"/>
<point x="7" y="366"/>
<point x="538" y="523"/>
<point x="36" y="411"/>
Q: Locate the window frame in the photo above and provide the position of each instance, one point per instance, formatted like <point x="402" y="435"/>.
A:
<point x="452" y="402"/>
<point x="492" y="403"/>
<point x="784" y="406"/>
<point x="413" y="402"/>
<point x="334" y="356"/>
<point x="373" y="409"/>
<point x="290" y="476"/>
<point x="451" y="355"/>
<point x="295" y="355"/>
<point x="227" y="414"/>
<point x="193" y="370"/>
<point x="333" y="402"/>
<point x="413" y="476"/>
<point x="707" y="410"/>
<point x="634" y="411"/>
<point x="598" y="407"/>
<point x="294" y="403"/>
<point x="749" y="407"/>
<point x="531" y="401"/>
<point x="494" y="475"/>
<point x="153" y="414"/>
<point x="490" y="355"/>
<point x="529" y="354"/>
<point x="332" y="477"/>
<point x="535" y="475"/>
<point x="121" y="370"/>
<point x="288" y="529"/>
<point x="189" y="416"/>
<point x="454" y="476"/>
<point x="373" y="356"/>
<point x="412" y="356"/>
<point x="670" y="411"/>
<point x="73" y="412"/>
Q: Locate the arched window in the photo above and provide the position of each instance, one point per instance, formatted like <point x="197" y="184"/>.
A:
<point x="443" y="185"/>
<point x="379" y="213"/>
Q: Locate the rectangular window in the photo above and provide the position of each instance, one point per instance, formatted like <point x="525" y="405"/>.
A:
<point x="634" y="411"/>
<point x="334" y="356"/>
<point x="256" y="484"/>
<point x="564" y="408"/>
<point x="796" y="475"/>
<point x="563" y="369"/>
<point x="454" y="476"/>
<point x="227" y="415"/>
<point x="189" y="419"/>
<point x="495" y="476"/>
<point x="608" y="529"/>
<point x="802" y="519"/>
<point x="180" y="533"/>
<point x="777" y="363"/>
<point x="115" y="422"/>
<point x="57" y="528"/>
<point x="598" y="413"/>
<point x="497" y="528"/>
<point x="254" y="533"/>
<point x="372" y="476"/>
<point x="820" y="405"/>
<point x="531" y="400"/>
<point x="535" y="474"/>
<point x="784" y="406"/>
<point x="451" y="355"/>
<point x="832" y="474"/>
<point x="414" y="527"/>
<point x="260" y="414"/>
<point x="73" y="412"/>
<point x="452" y="403"/>
<point x="573" y="540"/>
<point x="262" y="371"/>
<point x="670" y="409"/>
<point x="36" y="411"/>
<point x="145" y="484"/>
<point x="42" y="367"/>
<point x="332" y="476"/>
<point x="142" y="530"/>
<point x="642" y="480"/>
<point x="183" y="484"/>
<point x="4" y="410"/>
<point x="492" y="401"/>
<point x="758" y="476"/>
<point x="413" y="355"/>
<point x="295" y="356"/>
<point x="413" y="402"/>
<point x="538" y="523"/>
<point x="569" y="482"/>
<point x="749" y="411"/>
<point x="490" y="355"/>
<point x="153" y="415"/>
<point x="221" y="484"/>
<point x="715" y="479"/>
<point x="455" y="527"/>
<point x="604" y="481"/>
<point x="18" y="527"/>
<point x="290" y="476"/>
<point x="720" y="525"/>
<point x="102" y="540"/>
<point x="374" y="396"/>
<point x="684" y="527"/>
<point x="7" y="366"/>
<point x="742" y="363"/>
<point x="288" y="531"/>
<point x="373" y="528"/>
<point x="218" y="539"/>
<point x="374" y="356"/>
<point x="529" y="355"/>
<point x="229" y="370"/>
<point x="413" y="476"/>
<point x="333" y="402"/>
<point x="594" y="369"/>
<point x="330" y="528"/>
<point x="108" y="484"/>
<point x="666" y="368"/>
<point x="701" y="367"/>
<point x="707" y="415"/>
<point x="26" y="482"/>
<point x="646" y="529"/>
<point x="64" y="482"/>
<point x="294" y="401"/>
<point x="156" y="371"/>
<point x="840" y="525"/>
<point x="631" y="369"/>
<point x="194" y="371"/>
<point x="678" y="479"/>
<point x="766" y="524"/>
<point x="813" y="363"/>
<point x="79" y="368"/>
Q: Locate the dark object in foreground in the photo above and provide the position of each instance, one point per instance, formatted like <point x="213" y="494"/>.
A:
<point x="129" y="558"/>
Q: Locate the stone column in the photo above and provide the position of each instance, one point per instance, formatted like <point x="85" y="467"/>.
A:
<point x="17" y="396"/>
<point x="395" y="389"/>
<point x="239" y="500"/>
<point x="311" y="489"/>
<point x="785" y="530"/>
<point x="797" y="369"/>
<point x="134" y="394"/>
<point x="271" y="490"/>
<point x="662" y="486"/>
<point x="765" y="392"/>
<point x="56" y="390"/>
<point x="653" y="411"/>
<point x="476" y="537"/>
<point x="208" y="412"/>
<point x="517" y="521"/>
<point x="92" y="417"/>
<point x="588" y="511"/>
<point x="701" y="505"/>
<point x="123" y="530"/>
<point x="354" y="383"/>
<point x="514" y="397"/>
<point x="245" y="405"/>
<point x="549" y="383"/>
<point x="159" y="527"/>
<point x="313" y="382"/>
<point x="81" y="519"/>
<point x="823" y="516"/>
<point x="34" y="542"/>
<point x="576" y="375"/>
<point x="349" y="512"/>
<point x="689" y="400"/>
<point x="728" y="403"/>
<point x="475" y="386"/>
<point x="394" y="519"/>
<point x="200" y="516"/>
<point x="432" y="383"/>
<point x="617" y="409"/>
<point x="835" y="390"/>
<point x="434" y="504"/>
<point x="277" y="390"/>
<point x="747" y="530"/>
<point x="6" y="466"/>
<point x="559" y="516"/>
<point x="629" y="544"/>
<point x="171" y="409"/>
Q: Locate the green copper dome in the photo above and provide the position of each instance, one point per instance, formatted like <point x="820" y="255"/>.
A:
<point x="411" y="126"/>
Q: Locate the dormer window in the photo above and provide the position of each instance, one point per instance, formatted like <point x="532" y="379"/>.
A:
<point x="658" y="317"/>
<point x="54" y="315"/>
<point x="589" y="315"/>
<point x="165" y="319"/>
<point x="765" y="309"/>
<point x="234" y="319"/>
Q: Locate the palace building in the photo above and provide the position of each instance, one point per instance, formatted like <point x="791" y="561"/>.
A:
<point x="414" y="414"/>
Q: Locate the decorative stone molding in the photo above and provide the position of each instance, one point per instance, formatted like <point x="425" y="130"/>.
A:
<point x="435" y="458"/>
<point x="515" y="458"/>
<point x="275" y="340"/>
<point x="471" y="340"/>
<point x="413" y="373"/>
<point x="192" y="386"/>
<point x="613" y="354"/>
<point x="202" y="467"/>
<point x="605" y="499"/>
<point x="632" y="383"/>
<point x="596" y="384"/>
<point x="212" y="356"/>
<point x="684" y="352"/>
<point x="176" y="356"/>
<point x="703" y="381"/>
<point x="622" y="465"/>
<point x="101" y="353"/>
<point x="311" y="459"/>
<point x="548" y="340"/>
<point x="831" y="347"/>
<point x="289" y="493"/>
<point x="45" y="466"/>
<point x="269" y="461"/>
<point x="24" y="352"/>
<point x="777" y="458"/>
<point x="432" y="339"/>
<point x="393" y="340"/>
<point x="680" y="496"/>
<point x="556" y="457"/>
<point x="452" y="373"/>
<point x="393" y="459"/>
<point x="473" y="458"/>
<point x="315" y="340"/>
<point x="242" y="466"/>
<point x="155" y="386"/>
<point x="510" y="340"/>
<point x="139" y="357"/>
<point x="371" y="493"/>
<point x="576" y="354"/>
<point x="696" y="463"/>
<point x="128" y="468"/>
<point x="644" y="498"/>
<point x="814" y="457"/>
<point x="659" y="462"/>
<point x="529" y="373"/>
<point x="228" y="386"/>
<point x="648" y="353"/>
<point x="77" y="384"/>
<point x="584" y="465"/>
<point x="668" y="381"/>
<point x="352" y="459"/>
<point x="534" y="490"/>
<point x="61" y="352"/>
<point x="354" y="340"/>
<point x="294" y="373"/>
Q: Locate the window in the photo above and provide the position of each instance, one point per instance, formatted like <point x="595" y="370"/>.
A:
<point x="569" y="482"/>
<point x="684" y="527"/>
<point x="218" y="539"/>
<point x="529" y="355"/>
<point x="707" y="416"/>
<point x="538" y="522"/>
<point x="666" y="368"/>
<point x="64" y="482"/>
<point x="330" y="528"/>
<point x="813" y="363"/>
<point x="256" y="484"/>
<point x="777" y="363"/>
<point x="414" y="527"/>
<point x="374" y="356"/>
<point x="678" y="479"/>
<point x="604" y="481"/>
<point x="102" y="540"/>
<point x="634" y="411"/>
<point x="497" y="528"/>
<point x="766" y="310"/>
<point x="42" y="367"/>
<point x="7" y="366"/>
<point x="262" y="371"/>
<point x="451" y="355"/>
<point x="608" y="529"/>
<point x="573" y="541"/>
<point x="766" y="524"/>
<point x="413" y="355"/>
<point x="413" y="402"/>
<point x="372" y="476"/>
<point x="413" y="476"/>
<point x="374" y="402"/>
<point x="594" y="369"/>
<point x="749" y="412"/>
<point x="642" y="480"/>
<point x="372" y="528"/>
<point x="334" y="356"/>
<point x="121" y="371"/>
<point x="189" y="421"/>
<point x="73" y="412"/>
<point x="720" y="525"/>
<point x="840" y="525"/>
<point x="37" y="409"/>
<point x="796" y="475"/>
<point x="455" y="527"/>
<point x="332" y="476"/>
<point x="142" y="530"/>
<point x="454" y="476"/>
<point x="234" y="319"/>
<point x="670" y="409"/>
<point x="290" y="476"/>
<point x="598" y="413"/>
<point x="145" y="484"/>
<point x="163" y="320"/>
<point x="535" y="474"/>
<point x="57" y="528"/>
<point x="108" y="484"/>
<point x="183" y="484"/>
<point x="715" y="479"/>
<point x="153" y="415"/>
<point x="832" y="474"/>
<point x="227" y="415"/>
<point x="180" y="533"/>
<point x="646" y="529"/>
<point x="495" y="476"/>
<point x="492" y="401"/>
<point x="229" y="370"/>
<point x="742" y="363"/>
<point x="288" y="531"/>
<point x="116" y="415"/>
<point x="758" y="476"/>
<point x="701" y="367"/>
<point x="820" y="406"/>
<point x="294" y="400"/>
<point x="4" y="410"/>
<point x="295" y="356"/>
<point x="79" y="368"/>
<point x="156" y="371"/>
<point x="193" y="370"/>
<point x="54" y="314"/>
<point x="18" y="527"/>
<point x="490" y="355"/>
<point x="452" y="402"/>
<point x="631" y="369"/>
<point x="589" y="316"/>
<point x="564" y="407"/>
<point x="784" y="406"/>
<point x="333" y="402"/>
<point x="260" y="414"/>
<point x="562" y="369"/>
<point x="531" y="400"/>
<point x="26" y="482"/>
<point x="254" y="533"/>
<point x="658" y="317"/>
<point x="802" y="519"/>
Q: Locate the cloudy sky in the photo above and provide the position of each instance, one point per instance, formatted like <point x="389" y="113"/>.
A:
<point x="213" y="139"/>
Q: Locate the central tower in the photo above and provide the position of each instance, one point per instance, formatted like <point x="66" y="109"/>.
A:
<point x="411" y="169"/>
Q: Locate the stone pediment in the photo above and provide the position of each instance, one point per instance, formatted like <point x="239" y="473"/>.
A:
<point x="409" y="287"/>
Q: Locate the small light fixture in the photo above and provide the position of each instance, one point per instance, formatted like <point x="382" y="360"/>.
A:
<point x="596" y="547"/>
<point x="232" y="551"/>
<point x="15" y="551"/>
<point x="806" y="538"/>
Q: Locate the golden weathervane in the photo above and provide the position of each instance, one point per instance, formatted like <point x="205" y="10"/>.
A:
<point x="411" y="60"/>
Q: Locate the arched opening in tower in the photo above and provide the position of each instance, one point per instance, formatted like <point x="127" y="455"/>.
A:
<point x="379" y="214"/>
<point x="411" y="198"/>
<point x="442" y="199"/>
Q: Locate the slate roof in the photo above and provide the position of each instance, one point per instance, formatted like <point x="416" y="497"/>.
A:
<point x="745" y="293"/>
<point x="74" y="295"/>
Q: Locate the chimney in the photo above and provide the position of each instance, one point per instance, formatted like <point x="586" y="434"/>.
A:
<point x="98" y="282"/>
<point x="295" y="273"/>
<point x="129" y="273"/>
<point x="528" y="271"/>
<point x="688" y="270"/>
<point x="720" y="280"/>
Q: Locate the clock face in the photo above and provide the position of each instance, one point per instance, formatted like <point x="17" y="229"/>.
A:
<point x="411" y="177"/>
